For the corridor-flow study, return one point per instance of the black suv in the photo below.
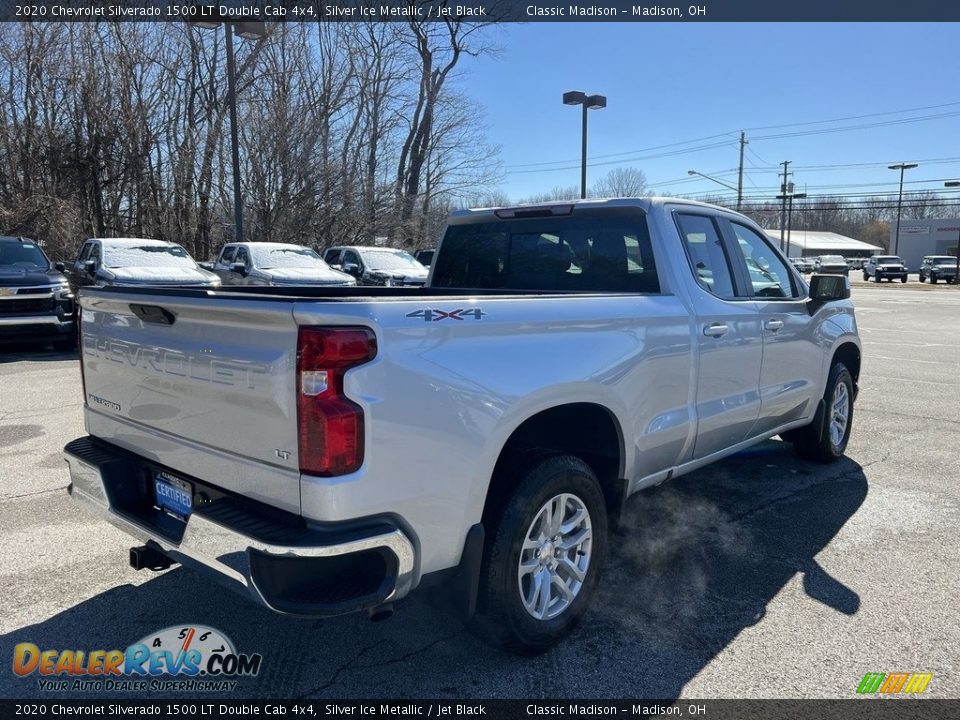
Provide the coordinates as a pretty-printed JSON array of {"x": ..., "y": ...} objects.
[
  {"x": 35, "y": 299},
  {"x": 939, "y": 267}
]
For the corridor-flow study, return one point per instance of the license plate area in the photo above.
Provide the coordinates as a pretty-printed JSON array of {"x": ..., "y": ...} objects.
[{"x": 173, "y": 495}]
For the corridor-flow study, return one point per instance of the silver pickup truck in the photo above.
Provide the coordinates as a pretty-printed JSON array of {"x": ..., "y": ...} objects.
[{"x": 328, "y": 450}]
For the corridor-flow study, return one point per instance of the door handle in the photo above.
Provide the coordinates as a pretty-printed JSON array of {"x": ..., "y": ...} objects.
[
  {"x": 773, "y": 325},
  {"x": 715, "y": 330}
]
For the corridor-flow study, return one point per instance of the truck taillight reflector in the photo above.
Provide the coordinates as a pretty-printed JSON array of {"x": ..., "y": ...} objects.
[{"x": 330, "y": 426}]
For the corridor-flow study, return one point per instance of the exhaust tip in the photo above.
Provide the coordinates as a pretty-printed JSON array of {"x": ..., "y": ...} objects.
[{"x": 381, "y": 612}]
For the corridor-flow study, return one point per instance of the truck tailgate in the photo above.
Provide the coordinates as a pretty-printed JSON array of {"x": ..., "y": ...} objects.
[{"x": 203, "y": 385}]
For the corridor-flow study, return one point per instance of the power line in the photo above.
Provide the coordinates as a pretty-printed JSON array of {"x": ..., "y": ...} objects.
[{"x": 516, "y": 169}]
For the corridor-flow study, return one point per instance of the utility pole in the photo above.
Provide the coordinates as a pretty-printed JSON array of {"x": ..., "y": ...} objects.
[
  {"x": 783, "y": 206},
  {"x": 743, "y": 142}
]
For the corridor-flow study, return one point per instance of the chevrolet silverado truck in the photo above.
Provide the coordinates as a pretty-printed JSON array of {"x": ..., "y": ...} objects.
[
  {"x": 327, "y": 450},
  {"x": 36, "y": 303}
]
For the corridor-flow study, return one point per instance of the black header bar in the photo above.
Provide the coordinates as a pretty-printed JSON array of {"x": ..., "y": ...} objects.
[{"x": 484, "y": 10}]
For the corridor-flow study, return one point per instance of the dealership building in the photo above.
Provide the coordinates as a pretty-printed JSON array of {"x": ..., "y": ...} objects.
[
  {"x": 925, "y": 237},
  {"x": 811, "y": 243}
]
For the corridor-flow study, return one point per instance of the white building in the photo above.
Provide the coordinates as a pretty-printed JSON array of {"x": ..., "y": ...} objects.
[
  {"x": 925, "y": 237},
  {"x": 810, "y": 243}
]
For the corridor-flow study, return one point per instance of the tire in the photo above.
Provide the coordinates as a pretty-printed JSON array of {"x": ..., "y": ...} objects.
[
  {"x": 866, "y": 277},
  {"x": 933, "y": 280},
  {"x": 502, "y": 615},
  {"x": 903, "y": 279},
  {"x": 821, "y": 441}
]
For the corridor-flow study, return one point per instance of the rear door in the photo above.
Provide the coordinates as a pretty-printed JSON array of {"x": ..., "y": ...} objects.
[
  {"x": 792, "y": 358},
  {"x": 728, "y": 335}
]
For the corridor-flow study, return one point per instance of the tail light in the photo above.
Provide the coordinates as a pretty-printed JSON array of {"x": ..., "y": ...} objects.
[{"x": 329, "y": 425}]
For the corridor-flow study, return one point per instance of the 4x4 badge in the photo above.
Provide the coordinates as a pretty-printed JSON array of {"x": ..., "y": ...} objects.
[{"x": 436, "y": 315}]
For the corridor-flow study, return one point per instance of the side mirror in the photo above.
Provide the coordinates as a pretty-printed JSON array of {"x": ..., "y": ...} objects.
[
  {"x": 60, "y": 266},
  {"x": 239, "y": 268},
  {"x": 90, "y": 267},
  {"x": 351, "y": 268},
  {"x": 828, "y": 288},
  {"x": 336, "y": 266}
]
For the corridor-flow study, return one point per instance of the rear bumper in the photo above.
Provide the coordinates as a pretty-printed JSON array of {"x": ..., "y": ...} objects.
[{"x": 270, "y": 555}]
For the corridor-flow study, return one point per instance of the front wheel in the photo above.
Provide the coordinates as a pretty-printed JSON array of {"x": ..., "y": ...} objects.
[
  {"x": 903, "y": 279},
  {"x": 865, "y": 276},
  {"x": 825, "y": 439},
  {"x": 543, "y": 557},
  {"x": 933, "y": 280}
]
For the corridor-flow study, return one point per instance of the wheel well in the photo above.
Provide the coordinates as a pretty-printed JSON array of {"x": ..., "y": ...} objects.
[
  {"x": 849, "y": 355},
  {"x": 585, "y": 430}
]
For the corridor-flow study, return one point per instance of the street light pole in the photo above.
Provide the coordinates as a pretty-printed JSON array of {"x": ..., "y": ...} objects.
[
  {"x": 583, "y": 155},
  {"x": 249, "y": 31},
  {"x": 234, "y": 136},
  {"x": 953, "y": 184},
  {"x": 901, "y": 167},
  {"x": 790, "y": 217},
  {"x": 787, "y": 198},
  {"x": 589, "y": 102}
]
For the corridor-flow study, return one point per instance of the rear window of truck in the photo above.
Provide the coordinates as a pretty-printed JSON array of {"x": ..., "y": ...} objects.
[{"x": 586, "y": 252}]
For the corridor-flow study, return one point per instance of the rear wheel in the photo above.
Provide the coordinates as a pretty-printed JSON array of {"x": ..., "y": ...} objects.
[
  {"x": 543, "y": 557},
  {"x": 825, "y": 439}
]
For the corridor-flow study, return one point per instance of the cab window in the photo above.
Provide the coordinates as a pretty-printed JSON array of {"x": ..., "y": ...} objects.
[
  {"x": 229, "y": 253},
  {"x": 243, "y": 256},
  {"x": 708, "y": 259}
]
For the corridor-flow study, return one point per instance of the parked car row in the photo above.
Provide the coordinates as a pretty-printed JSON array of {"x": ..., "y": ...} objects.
[
  {"x": 934, "y": 268},
  {"x": 37, "y": 295}
]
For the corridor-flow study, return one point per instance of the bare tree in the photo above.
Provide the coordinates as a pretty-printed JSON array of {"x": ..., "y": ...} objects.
[{"x": 621, "y": 182}]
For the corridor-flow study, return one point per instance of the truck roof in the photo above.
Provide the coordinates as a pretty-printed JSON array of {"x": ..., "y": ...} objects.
[{"x": 646, "y": 203}]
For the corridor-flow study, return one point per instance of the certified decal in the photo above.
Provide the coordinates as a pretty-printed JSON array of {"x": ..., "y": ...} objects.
[
  {"x": 179, "y": 658},
  {"x": 431, "y": 315}
]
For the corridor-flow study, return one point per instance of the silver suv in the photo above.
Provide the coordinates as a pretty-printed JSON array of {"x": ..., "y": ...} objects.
[{"x": 885, "y": 267}]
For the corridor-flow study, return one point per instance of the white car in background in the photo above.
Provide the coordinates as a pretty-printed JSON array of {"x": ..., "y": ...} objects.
[{"x": 269, "y": 263}]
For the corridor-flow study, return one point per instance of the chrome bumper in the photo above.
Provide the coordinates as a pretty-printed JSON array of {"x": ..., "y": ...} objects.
[
  {"x": 208, "y": 543},
  {"x": 34, "y": 320}
]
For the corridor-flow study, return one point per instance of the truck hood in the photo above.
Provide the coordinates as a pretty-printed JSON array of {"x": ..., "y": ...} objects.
[
  {"x": 161, "y": 276},
  {"x": 27, "y": 277},
  {"x": 308, "y": 276}
]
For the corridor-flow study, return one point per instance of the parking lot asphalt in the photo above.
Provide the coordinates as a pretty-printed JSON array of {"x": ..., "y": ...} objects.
[{"x": 761, "y": 576}]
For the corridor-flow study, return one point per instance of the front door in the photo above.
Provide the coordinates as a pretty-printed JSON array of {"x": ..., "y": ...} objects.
[{"x": 792, "y": 358}]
